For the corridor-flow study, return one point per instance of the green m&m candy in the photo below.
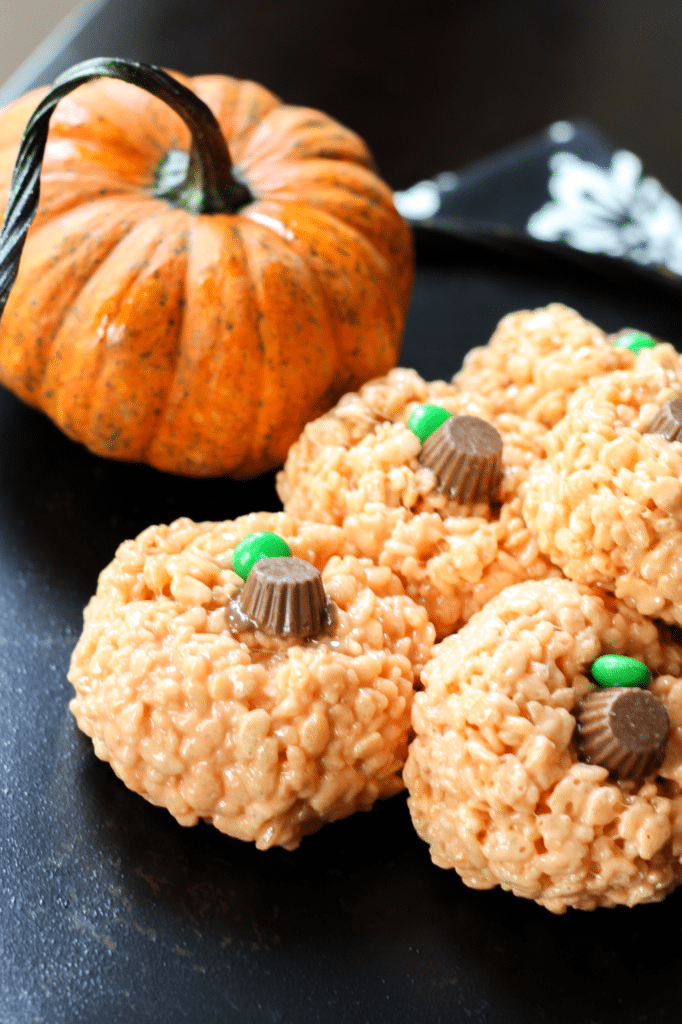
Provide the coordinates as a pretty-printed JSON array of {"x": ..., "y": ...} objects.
[
  {"x": 256, "y": 546},
  {"x": 635, "y": 341},
  {"x": 426, "y": 419},
  {"x": 617, "y": 670}
]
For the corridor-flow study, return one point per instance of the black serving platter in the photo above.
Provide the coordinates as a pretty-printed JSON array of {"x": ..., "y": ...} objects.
[{"x": 111, "y": 912}]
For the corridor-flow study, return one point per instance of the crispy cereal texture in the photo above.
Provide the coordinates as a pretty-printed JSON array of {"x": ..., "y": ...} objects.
[
  {"x": 362, "y": 452},
  {"x": 495, "y": 785},
  {"x": 358, "y": 467},
  {"x": 452, "y": 566},
  {"x": 268, "y": 739},
  {"x": 606, "y": 505},
  {"x": 535, "y": 360}
]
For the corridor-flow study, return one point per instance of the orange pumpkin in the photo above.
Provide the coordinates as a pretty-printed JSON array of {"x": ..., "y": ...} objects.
[{"x": 179, "y": 302}]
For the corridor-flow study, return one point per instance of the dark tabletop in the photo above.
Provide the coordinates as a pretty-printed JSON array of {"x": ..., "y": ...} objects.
[{"x": 111, "y": 912}]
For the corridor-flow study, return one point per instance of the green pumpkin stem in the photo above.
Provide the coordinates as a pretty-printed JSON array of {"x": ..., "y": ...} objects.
[{"x": 208, "y": 185}]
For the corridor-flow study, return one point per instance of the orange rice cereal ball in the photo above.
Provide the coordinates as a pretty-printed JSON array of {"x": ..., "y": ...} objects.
[
  {"x": 536, "y": 359},
  {"x": 363, "y": 452},
  {"x": 496, "y": 785},
  {"x": 606, "y": 505},
  {"x": 360, "y": 466},
  {"x": 229, "y": 710}
]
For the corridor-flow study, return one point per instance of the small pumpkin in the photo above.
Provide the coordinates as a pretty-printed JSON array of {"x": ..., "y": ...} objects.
[{"x": 206, "y": 268}]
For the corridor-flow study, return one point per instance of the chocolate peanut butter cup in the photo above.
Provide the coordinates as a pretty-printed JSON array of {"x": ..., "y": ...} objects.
[
  {"x": 465, "y": 453},
  {"x": 284, "y": 597},
  {"x": 668, "y": 421},
  {"x": 624, "y": 729}
]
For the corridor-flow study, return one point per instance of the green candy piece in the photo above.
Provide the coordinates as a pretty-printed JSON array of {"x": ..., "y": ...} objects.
[
  {"x": 426, "y": 419},
  {"x": 635, "y": 341},
  {"x": 617, "y": 670},
  {"x": 256, "y": 546}
]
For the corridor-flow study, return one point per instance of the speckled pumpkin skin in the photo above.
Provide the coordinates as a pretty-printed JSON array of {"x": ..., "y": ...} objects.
[{"x": 200, "y": 344}]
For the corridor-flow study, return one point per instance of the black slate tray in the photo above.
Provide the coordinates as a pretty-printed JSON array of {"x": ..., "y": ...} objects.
[{"x": 111, "y": 912}]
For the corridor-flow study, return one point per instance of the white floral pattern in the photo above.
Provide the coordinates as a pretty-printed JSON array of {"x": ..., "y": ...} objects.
[{"x": 611, "y": 210}]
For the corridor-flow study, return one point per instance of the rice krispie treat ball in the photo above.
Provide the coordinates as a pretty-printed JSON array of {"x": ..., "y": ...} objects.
[
  {"x": 606, "y": 505},
  {"x": 209, "y": 712},
  {"x": 359, "y": 467},
  {"x": 362, "y": 452},
  {"x": 498, "y": 785},
  {"x": 536, "y": 359}
]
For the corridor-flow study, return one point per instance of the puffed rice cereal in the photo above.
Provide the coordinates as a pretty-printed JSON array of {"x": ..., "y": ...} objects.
[
  {"x": 266, "y": 738},
  {"x": 358, "y": 467},
  {"x": 606, "y": 505},
  {"x": 535, "y": 360},
  {"x": 495, "y": 784}
]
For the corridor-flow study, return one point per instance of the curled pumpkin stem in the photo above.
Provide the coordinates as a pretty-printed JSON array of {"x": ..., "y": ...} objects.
[{"x": 209, "y": 185}]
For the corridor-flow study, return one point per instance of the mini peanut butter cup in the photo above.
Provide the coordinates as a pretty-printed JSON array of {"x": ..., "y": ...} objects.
[
  {"x": 284, "y": 597},
  {"x": 465, "y": 453},
  {"x": 624, "y": 729},
  {"x": 668, "y": 421}
]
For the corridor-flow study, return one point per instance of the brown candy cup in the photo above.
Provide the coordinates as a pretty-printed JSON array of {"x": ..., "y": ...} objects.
[
  {"x": 624, "y": 729},
  {"x": 465, "y": 453},
  {"x": 284, "y": 597},
  {"x": 668, "y": 421}
]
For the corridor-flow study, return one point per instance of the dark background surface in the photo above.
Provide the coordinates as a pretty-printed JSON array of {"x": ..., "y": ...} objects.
[
  {"x": 110, "y": 911},
  {"x": 431, "y": 85}
]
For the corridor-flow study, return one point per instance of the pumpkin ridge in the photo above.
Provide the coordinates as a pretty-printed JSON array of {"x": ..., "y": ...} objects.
[
  {"x": 161, "y": 398},
  {"x": 59, "y": 184},
  {"x": 107, "y": 123},
  {"x": 325, "y": 191},
  {"x": 345, "y": 228},
  {"x": 338, "y": 384},
  {"x": 238, "y": 115},
  {"x": 122, "y": 157},
  {"x": 252, "y": 453},
  {"x": 258, "y": 240},
  {"x": 74, "y": 400},
  {"x": 290, "y": 134},
  {"x": 168, "y": 411},
  {"x": 214, "y": 352},
  {"x": 72, "y": 201},
  {"x": 17, "y": 374},
  {"x": 333, "y": 392},
  {"x": 106, "y": 135},
  {"x": 382, "y": 281},
  {"x": 322, "y": 173}
]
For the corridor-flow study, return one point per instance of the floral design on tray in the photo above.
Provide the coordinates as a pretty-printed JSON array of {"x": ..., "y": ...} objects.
[{"x": 611, "y": 210}]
